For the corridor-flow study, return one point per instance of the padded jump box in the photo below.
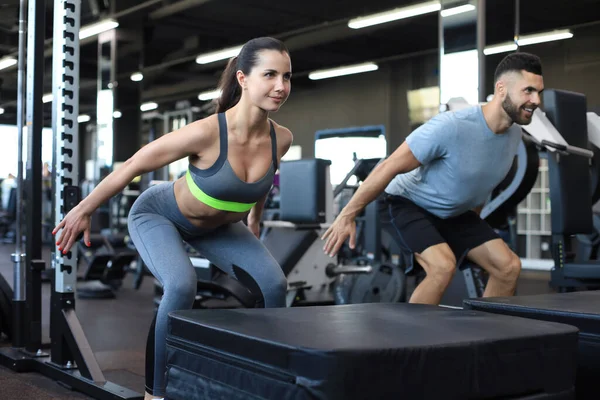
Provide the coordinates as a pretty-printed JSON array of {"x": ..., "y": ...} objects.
[
  {"x": 367, "y": 351},
  {"x": 579, "y": 309}
]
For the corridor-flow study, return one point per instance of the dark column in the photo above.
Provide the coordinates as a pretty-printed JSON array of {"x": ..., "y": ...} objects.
[
  {"x": 127, "y": 132},
  {"x": 33, "y": 186}
]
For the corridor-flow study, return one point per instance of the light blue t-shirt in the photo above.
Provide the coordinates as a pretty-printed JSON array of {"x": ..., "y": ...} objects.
[{"x": 462, "y": 161}]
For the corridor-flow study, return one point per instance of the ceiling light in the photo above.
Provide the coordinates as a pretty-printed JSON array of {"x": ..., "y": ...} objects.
[
  {"x": 218, "y": 55},
  {"x": 98, "y": 27},
  {"x": 209, "y": 95},
  {"x": 350, "y": 69},
  {"x": 457, "y": 10},
  {"x": 117, "y": 114},
  {"x": 500, "y": 48},
  {"x": 527, "y": 40},
  {"x": 47, "y": 98},
  {"x": 148, "y": 106},
  {"x": 395, "y": 14},
  {"x": 136, "y": 76},
  {"x": 7, "y": 62},
  {"x": 545, "y": 37},
  {"x": 83, "y": 118}
]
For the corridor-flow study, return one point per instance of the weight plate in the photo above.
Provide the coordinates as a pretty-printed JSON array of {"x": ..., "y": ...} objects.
[{"x": 386, "y": 284}]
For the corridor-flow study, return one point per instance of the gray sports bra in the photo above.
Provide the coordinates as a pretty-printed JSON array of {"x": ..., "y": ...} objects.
[{"x": 219, "y": 187}]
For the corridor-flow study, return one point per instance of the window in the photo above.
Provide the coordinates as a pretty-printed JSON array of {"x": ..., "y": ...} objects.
[
  {"x": 9, "y": 149},
  {"x": 344, "y": 146}
]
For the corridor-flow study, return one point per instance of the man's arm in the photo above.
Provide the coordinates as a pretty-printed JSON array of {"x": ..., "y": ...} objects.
[{"x": 401, "y": 161}]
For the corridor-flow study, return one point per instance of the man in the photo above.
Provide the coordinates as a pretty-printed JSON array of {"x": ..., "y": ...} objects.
[{"x": 445, "y": 169}]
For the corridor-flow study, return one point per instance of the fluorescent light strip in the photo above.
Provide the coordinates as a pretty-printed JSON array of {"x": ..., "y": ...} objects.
[
  {"x": 500, "y": 48},
  {"x": 83, "y": 118},
  {"x": 209, "y": 95},
  {"x": 148, "y": 106},
  {"x": 218, "y": 55},
  {"x": 395, "y": 14},
  {"x": 545, "y": 37},
  {"x": 98, "y": 27},
  {"x": 527, "y": 40},
  {"x": 7, "y": 62},
  {"x": 457, "y": 10},
  {"x": 350, "y": 69}
]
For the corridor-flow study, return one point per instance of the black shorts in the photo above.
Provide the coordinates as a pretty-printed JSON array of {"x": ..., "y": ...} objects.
[{"x": 416, "y": 229}]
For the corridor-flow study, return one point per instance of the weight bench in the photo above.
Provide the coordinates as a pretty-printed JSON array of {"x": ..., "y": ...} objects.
[{"x": 360, "y": 351}]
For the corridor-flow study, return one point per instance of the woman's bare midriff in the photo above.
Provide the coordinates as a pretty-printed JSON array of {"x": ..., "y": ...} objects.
[{"x": 198, "y": 213}]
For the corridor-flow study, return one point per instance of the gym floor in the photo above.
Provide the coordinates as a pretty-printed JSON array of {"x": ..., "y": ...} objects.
[{"x": 116, "y": 330}]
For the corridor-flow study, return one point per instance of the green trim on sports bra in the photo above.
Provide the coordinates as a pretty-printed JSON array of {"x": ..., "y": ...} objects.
[{"x": 211, "y": 201}]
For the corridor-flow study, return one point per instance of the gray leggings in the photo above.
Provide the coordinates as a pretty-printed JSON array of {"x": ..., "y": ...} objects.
[{"x": 158, "y": 230}]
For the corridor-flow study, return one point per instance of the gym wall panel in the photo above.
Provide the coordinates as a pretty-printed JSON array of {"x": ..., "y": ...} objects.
[
  {"x": 571, "y": 64},
  {"x": 371, "y": 98},
  {"x": 341, "y": 102}
]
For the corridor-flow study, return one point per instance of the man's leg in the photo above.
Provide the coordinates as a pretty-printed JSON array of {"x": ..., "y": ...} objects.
[
  {"x": 502, "y": 264},
  {"x": 415, "y": 231},
  {"x": 439, "y": 264}
]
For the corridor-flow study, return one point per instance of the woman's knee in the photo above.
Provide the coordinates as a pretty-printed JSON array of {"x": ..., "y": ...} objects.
[
  {"x": 180, "y": 294},
  {"x": 267, "y": 282},
  {"x": 277, "y": 292}
]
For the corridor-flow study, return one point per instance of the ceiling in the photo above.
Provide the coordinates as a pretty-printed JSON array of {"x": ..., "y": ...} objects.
[{"x": 163, "y": 37}]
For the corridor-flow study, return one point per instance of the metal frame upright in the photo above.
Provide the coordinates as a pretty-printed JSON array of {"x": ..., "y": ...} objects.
[{"x": 71, "y": 359}]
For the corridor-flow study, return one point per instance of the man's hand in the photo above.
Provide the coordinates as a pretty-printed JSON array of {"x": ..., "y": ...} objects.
[{"x": 342, "y": 228}]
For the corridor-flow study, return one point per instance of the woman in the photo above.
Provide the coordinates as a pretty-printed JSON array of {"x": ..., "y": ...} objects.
[{"x": 233, "y": 158}]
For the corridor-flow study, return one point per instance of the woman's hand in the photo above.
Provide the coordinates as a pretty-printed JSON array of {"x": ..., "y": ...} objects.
[
  {"x": 75, "y": 222},
  {"x": 254, "y": 227}
]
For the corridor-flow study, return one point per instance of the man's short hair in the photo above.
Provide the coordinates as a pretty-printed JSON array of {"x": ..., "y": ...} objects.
[{"x": 518, "y": 62}]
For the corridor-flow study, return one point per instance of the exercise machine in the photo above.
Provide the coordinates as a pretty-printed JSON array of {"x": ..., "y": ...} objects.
[
  {"x": 588, "y": 245},
  {"x": 570, "y": 187},
  {"x": 107, "y": 261},
  {"x": 306, "y": 211},
  {"x": 70, "y": 359}
]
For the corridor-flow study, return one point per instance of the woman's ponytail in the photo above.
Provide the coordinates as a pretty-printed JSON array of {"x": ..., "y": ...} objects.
[{"x": 230, "y": 89}]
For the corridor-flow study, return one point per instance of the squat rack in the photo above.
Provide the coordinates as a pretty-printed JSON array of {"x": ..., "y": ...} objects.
[{"x": 70, "y": 359}]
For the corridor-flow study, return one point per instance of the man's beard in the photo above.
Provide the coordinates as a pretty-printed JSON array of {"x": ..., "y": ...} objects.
[{"x": 514, "y": 112}]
